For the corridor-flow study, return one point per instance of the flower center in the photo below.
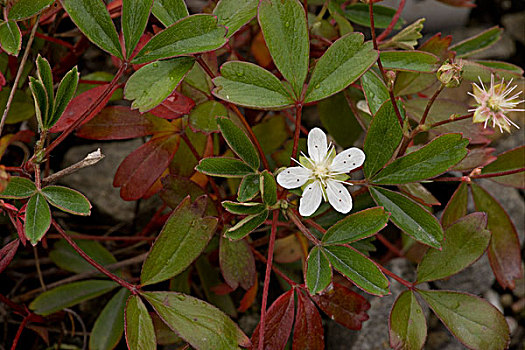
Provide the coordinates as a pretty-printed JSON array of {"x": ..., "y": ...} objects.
[{"x": 321, "y": 171}]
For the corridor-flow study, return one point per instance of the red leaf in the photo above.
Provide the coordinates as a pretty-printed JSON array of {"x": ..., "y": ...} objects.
[
  {"x": 222, "y": 289},
  {"x": 344, "y": 306},
  {"x": 308, "y": 333},
  {"x": 174, "y": 106},
  {"x": 249, "y": 297},
  {"x": 120, "y": 122},
  {"x": 79, "y": 104},
  {"x": 2, "y": 81},
  {"x": 437, "y": 45},
  {"x": 278, "y": 324},
  {"x": 139, "y": 170},
  {"x": 7, "y": 253}
]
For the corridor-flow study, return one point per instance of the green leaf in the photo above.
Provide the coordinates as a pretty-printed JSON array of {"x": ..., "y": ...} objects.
[
  {"x": 38, "y": 218},
  {"x": 140, "y": 334},
  {"x": 22, "y": 107},
  {"x": 283, "y": 24},
  {"x": 18, "y": 188},
  {"x": 23, "y": 9},
  {"x": 342, "y": 64},
  {"x": 246, "y": 208},
  {"x": 224, "y": 167},
  {"x": 135, "y": 15},
  {"x": 153, "y": 83},
  {"x": 233, "y": 14},
  {"x": 410, "y": 216},
  {"x": 41, "y": 101},
  {"x": 202, "y": 325},
  {"x": 66, "y": 91},
  {"x": 456, "y": 207},
  {"x": 239, "y": 142},
  {"x": 433, "y": 159},
  {"x": 407, "y": 326},
  {"x": 109, "y": 325},
  {"x": 472, "y": 320},
  {"x": 478, "y": 42},
  {"x": 45, "y": 75},
  {"x": 504, "y": 248},
  {"x": 10, "y": 38},
  {"x": 249, "y": 85},
  {"x": 359, "y": 269},
  {"x": 375, "y": 91},
  {"x": 410, "y": 61},
  {"x": 318, "y": 271},
  {"x": 203, "y": 116},
  {"x": 182, "y": 239},
  {"x": 67, "y": 258},
  {"x": 510, "y": 160},
  {"x": 67, "y": 199},
  {"x": 339, "y": 120},
  {"x": 382, "y": 139},
  {"x": 237, "y": 263},
  {"x": 268, "y": 188},
  {"x": 246, "y": 225},
  {"x": 357, "y": 226},
  {"x": 271, "y": 133},
  {"x": 68, "y": 295},
  {"x": 190, "y": 35},
  {"x": 169, "y": 11},
  {"x": 406, "y": 38},
  {"x": 465, "y": 242},
  {"x": 505, "y": 66},
  {"x": 248, "y": 188},
  {"x": 92, "y": 18},
  {"x": 359, "y": 14}
]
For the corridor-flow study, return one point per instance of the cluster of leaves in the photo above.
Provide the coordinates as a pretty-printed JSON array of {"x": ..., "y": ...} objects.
[{"x": 215, "y": 171}]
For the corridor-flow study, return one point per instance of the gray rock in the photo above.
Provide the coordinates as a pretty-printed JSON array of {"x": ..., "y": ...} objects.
[
  {"x": 96, "y": 182},
  {"x": 514, "y": 24},
  {"x": 475, "y": 279}
]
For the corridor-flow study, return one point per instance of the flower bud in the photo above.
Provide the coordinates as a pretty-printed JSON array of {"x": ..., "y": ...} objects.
[{"x": 450, "y": 73}]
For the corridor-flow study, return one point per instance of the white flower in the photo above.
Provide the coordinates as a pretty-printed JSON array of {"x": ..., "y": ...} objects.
[
  {"x": 323, "y": 173},
  {"x": 494, "y": 103}
]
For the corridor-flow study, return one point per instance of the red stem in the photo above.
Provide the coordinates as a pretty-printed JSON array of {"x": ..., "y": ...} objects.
[
  {"x": 103, "y": 238},
  {"x": 297, "y": 131},
  {"x": 389, "y": 245},
  {"x": 430, "y": 103},
  {"x": 267, "y": 277},
  {"x": 467, "y": 116},
  {"x": 55, "y": 40},
  {"x": 295, "y": 218},
  {"x": 396, "y": 277},
  {"x": 132, "y": 288},
  {"x": 315, "y": 225},
  {"x": 393, "y": 22},
  {"x": 19, "y": 332},
  {"x": 275, "y": 269},
  {"x": 481, "y": 176}
]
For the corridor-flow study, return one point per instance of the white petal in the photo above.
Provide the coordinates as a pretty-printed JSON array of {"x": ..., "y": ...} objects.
[
  {"x": 348, "y": 160},
  {"x": 311, "y": 199},
  {"x": 317, "y": 145},
  {"x": 339, "y": 197},
  {"x": 293, "y": 177}
]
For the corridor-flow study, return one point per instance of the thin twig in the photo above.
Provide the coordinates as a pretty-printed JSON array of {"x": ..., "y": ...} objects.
[
  {"x": 19, "y": 74},
  {"x": 38, "y": 270},
  {"x": 91, "y": 159},
  {"x": 297, "y": 131},
  {"x": 393, "y": 22},
  {"x": 430, "y": 103}
]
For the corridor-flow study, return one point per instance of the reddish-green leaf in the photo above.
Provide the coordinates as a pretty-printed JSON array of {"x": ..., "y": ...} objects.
[
  {"x": 357, "y": 226},
  {"x": 176, "y": 188},
  {"x": 478, "y": 42},
  {"x": 472, "y": 320},
  {"x": 456, "y": 207},
  {"x": 120, "y": 122},
  {"x": 190, "y": 35},
  {"x": 7, "y": 253},
  {"x": 92, "y": 18},
  {"x": 68, "y": 295},
  {"x": 109, "y": 325},
  {"x": 139, "y": 170},
  {"x": 358, "y": 268},
  {"x": 504, "y": 248},
  {"x": 202, "y": 325},
  {"x": 409, "y": 216},
  {"x": 174, "y": 106},
  {"x": 38, "y": 218},
  {"x": 18, "y": 188},
  {"x": 308, "y": 333},
  {"x": 407, "y": 323},
  {"x": 140, "y": 334},
  {"x": 78, "y": 105},
  {"x": 283, "y": 24},
  {"x": 382, "y": 139},
  {"x": 237, "y": 263},
  {"x": 318, "y": 271},
  {"x": 135, "y": 15},
  {"x": 203, "y": 116},
  {"x": 510, "y": 160},
  {"x": 418, "y": 192},
  {"x": 278, "y": 323},
  {"x": 476, "y": 158},
  {"x": 344, "y": 306},
  {"x": 431, "y": 160},
  {"x": 67, "y": 199},
  {"x": 465, "y": 241},
  {"x": 182, "y": 239}
]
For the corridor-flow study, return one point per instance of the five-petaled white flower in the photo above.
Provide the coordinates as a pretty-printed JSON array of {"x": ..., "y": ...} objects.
[
  {"x": 323, "y": 174},
  {"x": 494, "y": 103}
]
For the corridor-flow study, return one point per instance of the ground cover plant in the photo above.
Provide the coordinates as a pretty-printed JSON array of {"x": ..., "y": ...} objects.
[{"x": 263, "y": 210}]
